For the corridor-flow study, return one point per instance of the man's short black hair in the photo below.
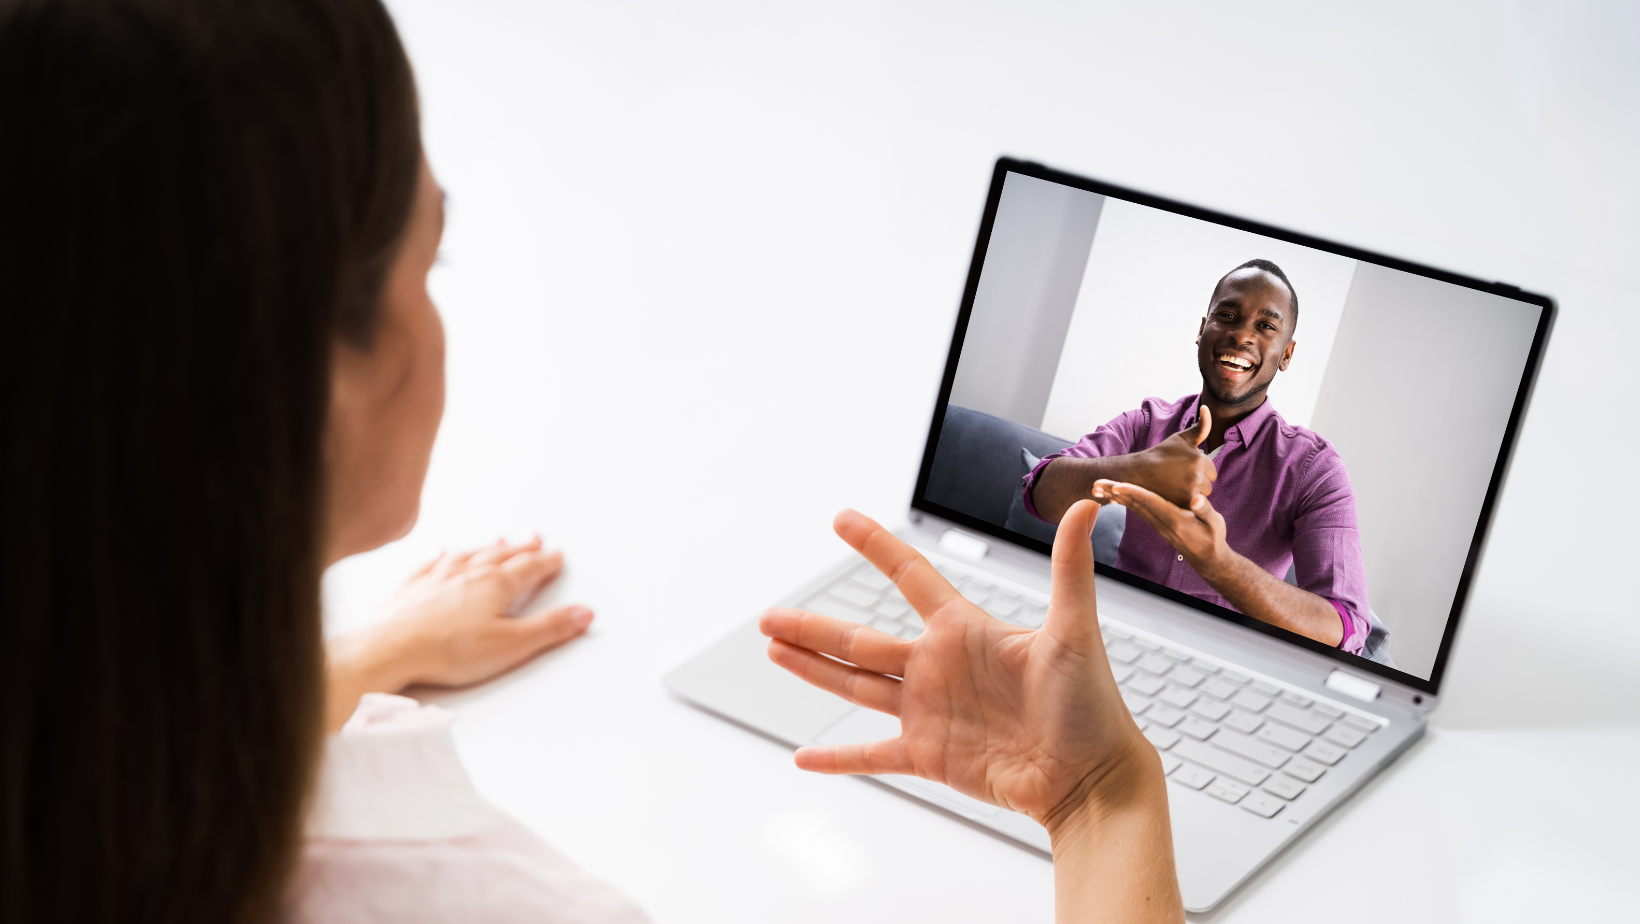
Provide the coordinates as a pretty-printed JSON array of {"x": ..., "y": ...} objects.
[{"x": 1274, "y": 270}]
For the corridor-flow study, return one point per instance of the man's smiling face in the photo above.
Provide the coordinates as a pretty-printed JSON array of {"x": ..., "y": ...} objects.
[{"x": 1246, "y": 337}]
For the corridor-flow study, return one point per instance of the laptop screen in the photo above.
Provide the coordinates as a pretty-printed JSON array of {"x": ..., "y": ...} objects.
[{"x": 1346, "y": 417}]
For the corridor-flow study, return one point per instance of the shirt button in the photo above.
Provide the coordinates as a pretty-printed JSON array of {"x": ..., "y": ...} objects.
[{"x": 1181, "y": 558}]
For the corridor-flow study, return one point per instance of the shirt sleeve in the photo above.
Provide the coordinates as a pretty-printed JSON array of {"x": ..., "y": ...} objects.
[
  {"x": 1327, "y": 546},
  {"x": 1116, "y": 438}
]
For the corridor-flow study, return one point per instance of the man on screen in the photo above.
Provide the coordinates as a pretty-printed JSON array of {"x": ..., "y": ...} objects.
[{"x": 1281, "y": 497}]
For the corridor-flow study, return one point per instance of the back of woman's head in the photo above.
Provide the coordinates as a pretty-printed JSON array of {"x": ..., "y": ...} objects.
[{"x": 197, "y": 199}]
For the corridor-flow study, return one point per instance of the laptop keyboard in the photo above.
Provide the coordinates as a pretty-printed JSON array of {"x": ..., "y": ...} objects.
[{"x": 1232, "y": 734}]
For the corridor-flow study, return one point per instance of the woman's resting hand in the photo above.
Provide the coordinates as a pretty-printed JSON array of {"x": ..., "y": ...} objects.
[
  {"x": 1030, "y": 720},
  {"x": 450, "y": 625}
]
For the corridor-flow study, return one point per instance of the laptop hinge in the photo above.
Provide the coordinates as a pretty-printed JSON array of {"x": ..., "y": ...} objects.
[
  {"x": 1350, "y": 685},
  {"x": 959, "y": 544}
]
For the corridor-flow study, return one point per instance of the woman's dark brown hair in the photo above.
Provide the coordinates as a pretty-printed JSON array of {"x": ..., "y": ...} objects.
[{"x": 197, "y": 198}]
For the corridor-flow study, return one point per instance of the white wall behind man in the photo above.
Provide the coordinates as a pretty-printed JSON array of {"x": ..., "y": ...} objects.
[
  {"x": 1416, "y": 397},
  {"x": 1145, "y": 291},
  {"x": 1027, "y": 291}
]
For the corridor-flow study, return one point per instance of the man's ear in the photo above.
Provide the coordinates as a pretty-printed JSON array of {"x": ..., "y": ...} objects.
[
  {"x": 1201, "y": 327},
  {"x": 1287, "y": 356}
]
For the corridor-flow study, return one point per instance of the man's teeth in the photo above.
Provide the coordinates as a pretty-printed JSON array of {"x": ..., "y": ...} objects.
[{"x": 1236, "y": 361}]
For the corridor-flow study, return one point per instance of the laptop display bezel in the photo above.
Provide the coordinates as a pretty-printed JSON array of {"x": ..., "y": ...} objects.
[{"x": 1546, "y": 307}]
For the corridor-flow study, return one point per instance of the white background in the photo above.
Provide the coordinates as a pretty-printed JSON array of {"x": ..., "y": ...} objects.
[
  {"x": 1149, "y": 279},
  {"x": 701, "y": 265}
]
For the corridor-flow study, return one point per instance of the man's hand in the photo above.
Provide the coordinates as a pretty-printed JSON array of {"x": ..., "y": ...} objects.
[
  {"x": 450, "y": 624},
  {"x": 1174, "y": 468},
  {"x": 1196, "y": 530},
  {"x": 1028, "y": 720},
  {"x": 1198, "y": 533}
]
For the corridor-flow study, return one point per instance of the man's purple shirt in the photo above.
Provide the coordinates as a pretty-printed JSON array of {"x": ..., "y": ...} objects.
[{"x": 1284, "y": 494}]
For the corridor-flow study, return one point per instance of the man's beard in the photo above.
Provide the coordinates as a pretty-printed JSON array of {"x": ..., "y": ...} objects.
[{"x": 1254, "y": 392}]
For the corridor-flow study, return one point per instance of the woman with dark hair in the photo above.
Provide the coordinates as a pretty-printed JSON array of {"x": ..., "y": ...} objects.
[{"x": 223, "y": 374}]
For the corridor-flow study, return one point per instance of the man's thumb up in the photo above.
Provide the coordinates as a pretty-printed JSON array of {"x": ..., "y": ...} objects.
[{"x": 1197, "y": 432}]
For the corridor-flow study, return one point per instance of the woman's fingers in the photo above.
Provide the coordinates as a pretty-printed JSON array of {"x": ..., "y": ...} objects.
[
  {"x": 548, "y": 628},
  {"x": 848, "y": 641},
  {"x": 1073, "y": 612},
  {"x": 501, "y": 551},
  {"x": 527, "y": 571},
  {"x": 923, "y": 587},
  {"x": 860, "y": 687},
  {"x": 872, "y": 757}
]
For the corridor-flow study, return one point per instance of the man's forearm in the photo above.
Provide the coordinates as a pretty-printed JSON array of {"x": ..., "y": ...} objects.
[
  {"x": 1267, "y": 598},
  {"x": 1067, "y": 480}
]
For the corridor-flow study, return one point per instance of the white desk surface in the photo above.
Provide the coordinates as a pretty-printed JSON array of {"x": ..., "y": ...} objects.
[{"x": 700, "y": 269}]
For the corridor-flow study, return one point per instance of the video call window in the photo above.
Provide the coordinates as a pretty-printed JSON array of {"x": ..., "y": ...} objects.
[{"x": 1360, "y": 412}]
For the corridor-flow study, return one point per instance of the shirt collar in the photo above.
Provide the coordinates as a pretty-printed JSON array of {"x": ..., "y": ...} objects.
[{"x": 1245, "y": 428}]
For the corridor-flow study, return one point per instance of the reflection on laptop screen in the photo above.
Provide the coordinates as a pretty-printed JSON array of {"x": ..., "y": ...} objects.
[{"x": 1357, "y": 415}]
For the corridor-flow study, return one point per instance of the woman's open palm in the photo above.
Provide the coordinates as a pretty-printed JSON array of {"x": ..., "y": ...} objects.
[{"x": 1025, "y": 719}]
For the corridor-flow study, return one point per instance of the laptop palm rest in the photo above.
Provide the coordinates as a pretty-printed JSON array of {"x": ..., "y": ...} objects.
[{"x": 736, "y": 679}]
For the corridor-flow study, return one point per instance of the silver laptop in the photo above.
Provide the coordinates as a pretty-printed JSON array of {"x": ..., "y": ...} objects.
[{"x": 1361, "y": 469}]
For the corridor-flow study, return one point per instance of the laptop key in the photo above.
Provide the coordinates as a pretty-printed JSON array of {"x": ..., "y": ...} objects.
[
  {"x": 1284, "y": 786},
  {"x": 1162, "y": 738},
  {"x": 1223, "y": 689},
  {"x": 1176, "y": 655},
  {"x": 1156, "y": 664},
  {"x": 1268, "y": 689},
  {"x": 1210, "y": 708},
  {"x": 1251, "y": 748},
  {"x": 1146, "y": 684},
  {"x": 1244, "y": 722},
  {"x": 1146, "y": 643},
  {"x": 1235, "y": 677},
  {"x": 1196, "y": 728},
  {"x": 1135, "y": 703},
  {"x": 1307, "y": 722},
  {"x": 1282, "y": 736},
  {"x": 1227, "y": 789},
  {"x": 872, "y": 578},
  {"x": 1364, "y": 724},
  {"x": 1331, "y": 712},
  {"x": 1296, "y": 699},
  {"x": 893, "y": 609},
  {"x": 1251, "y": 701},
  {"x": 1121, "y": 672},
  {"x": 1186, "y": 676},
  {"x": 1192, "y": 776},
  {"x": 1344, "y": 735},
  {"x": 1221, "y": 761},
  {"x": 1119, "y": 632},
  {"x": 1307, "y": 770},
  {"x": 1169, "y": 763},
  {"x": 1164, "y": 715},
  {"x": 1206, "y": 667},
  {"x": 1178, "y": 696},
  {"x": 1326, "y": 753},
  {"x": 1260, "y": 803}
]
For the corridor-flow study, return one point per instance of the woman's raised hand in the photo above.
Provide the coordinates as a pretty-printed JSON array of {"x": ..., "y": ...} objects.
[
  {"x": 451, "y": 624},
  {"x": 1030, "y": 720}
]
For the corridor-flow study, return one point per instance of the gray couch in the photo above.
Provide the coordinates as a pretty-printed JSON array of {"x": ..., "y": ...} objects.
[{"x": 979, "y": 467}]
